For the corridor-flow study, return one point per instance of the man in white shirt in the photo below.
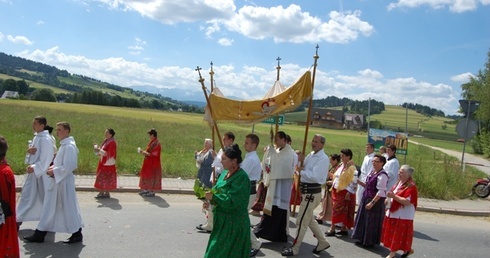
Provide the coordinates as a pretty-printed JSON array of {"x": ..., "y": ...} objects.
[
  {"x": 39, "y": 157},
  {"x": 228, "y": 139},
  {"x": 366, "y": 167},
  {"x": 313, "y": 174},
  {"x": 251, "y": 164},
  {"x": 392, "y": 166}
]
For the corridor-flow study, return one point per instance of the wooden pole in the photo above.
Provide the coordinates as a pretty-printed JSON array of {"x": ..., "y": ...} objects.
[
  {"x": 278, "y": 68},
  {"x": 211, "y": 74},
  {"x": 308, "y": 118},
  {"x": 201, "y": 80}
]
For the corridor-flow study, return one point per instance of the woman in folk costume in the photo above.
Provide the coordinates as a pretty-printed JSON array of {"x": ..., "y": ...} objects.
[
  {"x": 344, "y": 189},
  {"x": 9, "y": 243},
  {"x": 204, "y": 159},
  {"x": 398, "y": 223},
  {"x": 151, "y": 171},
  {"x": 106, "y": 179},
  {"x": 230, "y": 196},
  {"x": 326, "y": 213},
  {"x": 369, "y": 218}
]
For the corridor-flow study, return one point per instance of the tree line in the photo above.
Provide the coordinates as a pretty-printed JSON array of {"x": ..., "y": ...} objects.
[{"x": 424, "y": 110}]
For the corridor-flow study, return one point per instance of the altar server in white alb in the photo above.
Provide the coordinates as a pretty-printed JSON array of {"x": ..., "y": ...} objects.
[
  {"x": 366, "y": 167},
  {"x": 251, "y": 164},
  {"x": 313, "y": 173},
  {"x": 40, "y": 154},
  {"x": 61, "y": 212}
]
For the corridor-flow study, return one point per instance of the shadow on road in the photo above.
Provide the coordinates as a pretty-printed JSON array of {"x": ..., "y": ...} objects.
[
  {"x": 157, "y": 201},
  {"x": 423, "y": 236},
  {"x": 49, "y": 248},
  {"x": 112, "y": 203}
]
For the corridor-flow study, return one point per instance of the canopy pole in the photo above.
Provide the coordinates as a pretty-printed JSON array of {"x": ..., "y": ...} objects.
[
  {"x": 307, "y": 121},
  {"x": 211, "y": 73},
  {"x": 278, "y": 68},
  {"x": 201, "y": 80}
]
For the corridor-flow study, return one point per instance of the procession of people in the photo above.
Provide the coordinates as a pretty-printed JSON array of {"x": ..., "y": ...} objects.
[{"x": 230, "y": 181}]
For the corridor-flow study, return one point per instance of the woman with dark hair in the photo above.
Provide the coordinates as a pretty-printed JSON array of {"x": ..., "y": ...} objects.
[
  {"x": 151, "y": 171},
  {"x": 369, "y": 218},
  {"x": 106, "y": 179},
  {"x": 344, "y": 187},
  {"x": 9, "y": 243},
  {"x": 326, "y": 213},
  {"x": 231, "y": 232}
]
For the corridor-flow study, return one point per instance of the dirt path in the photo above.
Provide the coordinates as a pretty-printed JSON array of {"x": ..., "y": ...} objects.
[{"x": 469, "y": 159}]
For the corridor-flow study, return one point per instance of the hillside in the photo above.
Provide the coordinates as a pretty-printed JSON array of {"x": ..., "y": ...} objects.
[{"x": 77, "y": 88}]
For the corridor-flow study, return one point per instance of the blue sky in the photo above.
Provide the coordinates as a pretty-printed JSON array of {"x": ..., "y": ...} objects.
[{"x": 394, "y": 51}]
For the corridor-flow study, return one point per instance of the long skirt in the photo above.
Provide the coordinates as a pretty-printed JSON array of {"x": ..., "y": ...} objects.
[
  {"x": 343, "y": 210},
  {"x": 273, "y": 228},
  {"x": 369, "y": 222},
  {"x": 397, "y": 234},
  {"x": 106, "y": 178},
  {"x": 326, "y": 213}
]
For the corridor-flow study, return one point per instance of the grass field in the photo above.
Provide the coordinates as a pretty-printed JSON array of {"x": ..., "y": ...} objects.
[{"x": 183, "y": 133}]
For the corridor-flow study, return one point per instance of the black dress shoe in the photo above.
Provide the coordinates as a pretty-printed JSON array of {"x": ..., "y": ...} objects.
[
  {"x": 37, "y": 237},
  {"x": 74, "y": 239}
]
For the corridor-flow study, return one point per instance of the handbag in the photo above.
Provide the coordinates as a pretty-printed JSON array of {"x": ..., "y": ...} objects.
[{"x": 260, "y": 199}]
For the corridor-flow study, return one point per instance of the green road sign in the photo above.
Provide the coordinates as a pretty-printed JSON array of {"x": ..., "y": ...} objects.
[{"x": 272, "y": 120}]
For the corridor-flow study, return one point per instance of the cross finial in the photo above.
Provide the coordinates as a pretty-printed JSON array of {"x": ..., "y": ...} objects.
[
  {"x": 317, "y": 47},
  {"x": 278, "y": 60},
  {"x": 198, "y": 69}
]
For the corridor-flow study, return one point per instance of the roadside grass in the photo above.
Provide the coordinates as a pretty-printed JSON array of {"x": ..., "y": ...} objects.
[{"x": 437, "y": 175}]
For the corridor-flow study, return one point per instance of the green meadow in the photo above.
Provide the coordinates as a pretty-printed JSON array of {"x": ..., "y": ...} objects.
[{"x": 437, "y": 175}]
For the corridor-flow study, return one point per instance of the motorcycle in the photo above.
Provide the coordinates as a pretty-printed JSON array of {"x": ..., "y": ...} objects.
[{"x": 482, "y": 187}]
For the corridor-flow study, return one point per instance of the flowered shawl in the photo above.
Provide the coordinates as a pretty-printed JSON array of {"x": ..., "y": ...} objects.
[
  {"x": 347, "y": 175},
  {"x": 408, "y": 189}
]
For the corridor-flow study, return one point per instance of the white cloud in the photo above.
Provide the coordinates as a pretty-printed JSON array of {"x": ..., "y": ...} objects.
[
  {"x": 225, "y": 41},
  {"x": 252, "y": 82},
  {"x": 171, "y": 11},
  {"x": 1, "y": 37},
  {"x": 462, "y": 78},
  {"x": 292, "y": 25},
  {"x": 19, "y": 40},
  {"x": 289, "y": 24},
  {"x": 372, "y": 84},
  {"x": 457, "y": 6},
  {"x": 137, "y": 48},
  {"x": 40, "y": 22}
]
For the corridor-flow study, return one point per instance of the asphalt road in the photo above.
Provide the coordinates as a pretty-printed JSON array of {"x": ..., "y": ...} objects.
[{"x": 128, "y": 225}]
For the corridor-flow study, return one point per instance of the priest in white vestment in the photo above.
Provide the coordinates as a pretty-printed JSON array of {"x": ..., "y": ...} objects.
[{"x": 274, "y": 222}]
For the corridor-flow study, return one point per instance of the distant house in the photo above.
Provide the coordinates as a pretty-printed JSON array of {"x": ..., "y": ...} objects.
[
  {"x": 353, "y": 121},
  {"x": 335, "y": 119},
  {"x": 10, "y": 94},
  {"x": 327, "y": 118}
]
